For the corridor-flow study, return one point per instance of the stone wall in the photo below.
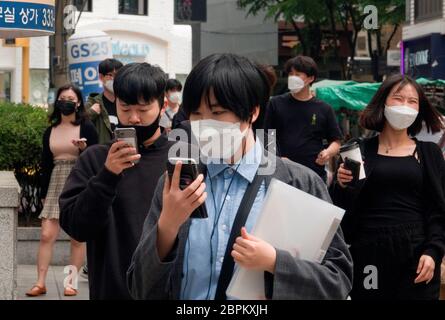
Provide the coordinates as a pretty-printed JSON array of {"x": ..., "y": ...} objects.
[{"x": 9, "y": 201}]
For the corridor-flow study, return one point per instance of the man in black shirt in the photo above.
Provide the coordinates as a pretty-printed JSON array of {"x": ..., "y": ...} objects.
[
  {"x": 101, "y": 108},
  {"x": 303, "y": 122},
  {"x": 107, "y": 197}
]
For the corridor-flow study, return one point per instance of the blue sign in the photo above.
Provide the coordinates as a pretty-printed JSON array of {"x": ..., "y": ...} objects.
[
  {"x": 86, "y": 77},
  {"x": 27, "y": 16},
  {"x": 85, "y": 52}
]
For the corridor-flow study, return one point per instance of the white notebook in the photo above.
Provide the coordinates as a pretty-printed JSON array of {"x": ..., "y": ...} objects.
[{"x": 290, "y": 220}]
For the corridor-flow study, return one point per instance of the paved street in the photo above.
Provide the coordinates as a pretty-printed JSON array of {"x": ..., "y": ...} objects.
[{"x": 27, "y": 275}]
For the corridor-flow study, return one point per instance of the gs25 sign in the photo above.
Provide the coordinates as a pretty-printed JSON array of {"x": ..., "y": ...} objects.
[{"x": 90, "y": 50}]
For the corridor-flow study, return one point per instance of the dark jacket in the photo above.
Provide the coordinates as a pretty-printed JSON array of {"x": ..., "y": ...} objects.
[
  {"x": 433, "y": 167},
  {"x": 101, "y": 121},
  {"x": 108, "y": 211},
  {"x": 149, "y": 278},
  {"x": 87, "y": 130}
]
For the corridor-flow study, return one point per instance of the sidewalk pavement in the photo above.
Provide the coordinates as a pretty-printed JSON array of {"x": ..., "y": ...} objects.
[{"x": 27, "y": 276}]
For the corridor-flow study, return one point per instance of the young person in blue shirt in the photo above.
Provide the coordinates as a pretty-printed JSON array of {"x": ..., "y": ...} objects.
[{"x": 183, "y": 258}]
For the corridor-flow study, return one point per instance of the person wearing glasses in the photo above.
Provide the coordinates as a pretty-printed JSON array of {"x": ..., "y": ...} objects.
[{"x": 101, "y": 108}]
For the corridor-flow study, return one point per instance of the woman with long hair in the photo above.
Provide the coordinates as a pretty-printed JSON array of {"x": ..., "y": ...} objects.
[
  {"x": 67, "y": 136},
  {"x": 395, "y": 217}
]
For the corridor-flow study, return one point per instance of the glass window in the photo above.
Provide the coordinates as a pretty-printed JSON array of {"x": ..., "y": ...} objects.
[
  {"x": 428, "y": 9},
  {"x": 5, "y": 86},
  {"x": 87, "y": 5},
  {"x": 136, "y": 7},
  {"x": 39, "y": 86}
]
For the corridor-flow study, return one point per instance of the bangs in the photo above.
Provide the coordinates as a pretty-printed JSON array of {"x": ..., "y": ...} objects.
[
  {"x": 139, "y": 83},
  {"x": 237, "y": 85}
]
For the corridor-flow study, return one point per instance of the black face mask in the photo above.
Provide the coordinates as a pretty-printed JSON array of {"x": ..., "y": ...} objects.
[
  {"x": 143, "y": 133},
  {"x": 66, "y": 107}
]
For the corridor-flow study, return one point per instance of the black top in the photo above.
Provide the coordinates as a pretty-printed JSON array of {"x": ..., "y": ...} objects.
[
  {"x": 179, "y": 117},
  {"x": 301, "y": 127},
  {"x": 87, "y": 130},
  {"x": 433, "y": 190},
  {"x": 111, "y": 110},
  {"x": 108, "y": 211},
  {"x": 394, "y": 193}
]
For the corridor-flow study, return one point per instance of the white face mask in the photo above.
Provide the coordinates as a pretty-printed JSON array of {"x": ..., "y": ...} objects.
[
  {"x": 175, "y": 97},
  {"x": 295, "y": 84},
  {"x": 109, "y": 85},
  {"x": 217, "y": 139},
  {"x": 400, "y": 117}
]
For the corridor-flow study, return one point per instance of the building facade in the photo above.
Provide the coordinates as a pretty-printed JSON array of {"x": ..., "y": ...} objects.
[
  {"x": 11, "y": 71},
  {"x": 141, "y": 31},
  {"x": 229, "y": 30},
  {"x": 424, "y": 39}
]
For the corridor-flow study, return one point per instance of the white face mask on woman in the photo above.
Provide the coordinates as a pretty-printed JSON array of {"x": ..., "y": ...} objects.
[
  {"x": 217, "y": 139},
  {"x": 295, "y": 84},
  {"x": 400, "y": 117}
]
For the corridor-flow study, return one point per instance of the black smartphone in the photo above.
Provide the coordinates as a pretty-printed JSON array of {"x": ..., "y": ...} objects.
[
  {"x": 128, "y": 135},
  {"x": 189, "y": 173},
  {"x": 354, "y": 167}
]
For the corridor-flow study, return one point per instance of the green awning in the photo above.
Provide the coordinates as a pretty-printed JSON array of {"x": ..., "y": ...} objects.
[{"x": 356, "y": 96}]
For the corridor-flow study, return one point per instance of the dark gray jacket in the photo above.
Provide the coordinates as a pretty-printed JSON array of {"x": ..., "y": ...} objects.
[{"x": 150, "y": 278}]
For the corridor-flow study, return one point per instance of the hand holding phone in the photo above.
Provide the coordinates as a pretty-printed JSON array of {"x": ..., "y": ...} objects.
[
  {"x": 354, "y": 167},
  {"x": 189, "y": 173},
  {"x": 80, "y": 143},
  {"x": 129, "y": 136},
  {"x": 121, "y": 156}
]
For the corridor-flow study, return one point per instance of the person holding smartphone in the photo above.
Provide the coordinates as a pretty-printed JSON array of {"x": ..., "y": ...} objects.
[
  {"x": 395, "y": 217},
  {"x": 182, "y": 258},
  {"x": 108, "y": 194},
  {"x": 68, "y": 135}
]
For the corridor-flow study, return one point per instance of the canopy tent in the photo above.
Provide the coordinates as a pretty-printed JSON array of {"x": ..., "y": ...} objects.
[
  {"x": 356, "y": 96},
  {"x": 426, "y": 82},
  {"x": 349, "y": 96},
  {"x": 330, "y": 83}
]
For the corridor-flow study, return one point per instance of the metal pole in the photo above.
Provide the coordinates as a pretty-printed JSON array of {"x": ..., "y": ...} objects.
[{"x": 196, "y": 42}]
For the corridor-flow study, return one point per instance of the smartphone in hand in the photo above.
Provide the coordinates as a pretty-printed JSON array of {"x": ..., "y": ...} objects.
[
  {"x": 189, "y": 173},
  {"x": 354, "y": 167},
  {"x": 128, "y": 135}
]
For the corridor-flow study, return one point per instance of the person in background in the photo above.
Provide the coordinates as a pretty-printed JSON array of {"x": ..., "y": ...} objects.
[
  {"x": 69, "y": 134},
  {"x": 173, "y": 97},
  {"x": 302, "y": 121},
  {"x": 395, "y": 218},
  {"x": 101, "y": 108}
]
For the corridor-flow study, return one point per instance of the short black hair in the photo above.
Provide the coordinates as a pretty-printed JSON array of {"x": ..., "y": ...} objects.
[
  {"x": 109, "y": 65},
  {"x": 55, "y": 118},
  {"x": 173, "y": 84},
  {"x": 140, "y": 82},
  {"x": 238, "y": 84},
  {"x": 303, "y": 64},
  {"x": 373, "y": 117}
]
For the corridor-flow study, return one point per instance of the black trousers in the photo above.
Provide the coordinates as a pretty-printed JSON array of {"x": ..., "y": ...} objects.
[{"x": 394, "y": 252}]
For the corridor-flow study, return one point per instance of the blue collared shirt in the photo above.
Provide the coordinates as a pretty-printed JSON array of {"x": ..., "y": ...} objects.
[{"x": 202, "y": 259}]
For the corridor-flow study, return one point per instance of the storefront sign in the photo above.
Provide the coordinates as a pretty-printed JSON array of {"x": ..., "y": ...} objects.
[
  {"x": 419, "y": 58},
  {"x": 26, "y": 19},
  {"x": 85, "y": 53},
  {"x": 128, "y": 52}
]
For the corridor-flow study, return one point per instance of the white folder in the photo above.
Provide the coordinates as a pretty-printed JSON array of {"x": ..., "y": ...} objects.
[{"x": 290, "y": 220}]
